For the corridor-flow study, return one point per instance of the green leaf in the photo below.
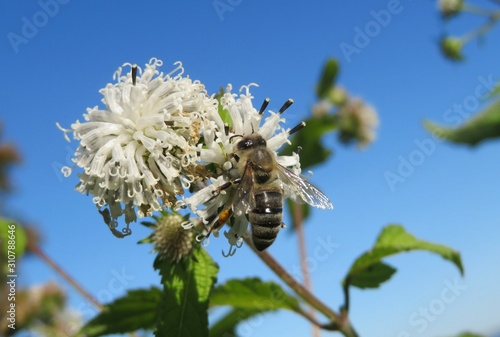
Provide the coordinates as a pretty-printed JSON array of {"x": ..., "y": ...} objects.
[
  {"x": 309, "y": 139},
  {"x": 136, "y": 310},
  {"x": 484, "y": 125},
  {"x": 226, "y": 326},
  {"x": 469, "y": 334},
  {"x": 223, "y": 113},
  {"x": 253, "y": 294},
  {"x": 393, "y": 240},
  {"x": 327, "y": 80},
  {"x": 372, "y": 276},
  {"x": 187, "y": 286}
]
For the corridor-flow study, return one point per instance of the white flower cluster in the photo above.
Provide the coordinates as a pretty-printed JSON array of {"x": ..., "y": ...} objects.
[
  {"x": 161, "y": 134},
  {"x": 140, "y": 150},
  {"x": 357, "y": 121},
  {"x": 218, "y": 144}
]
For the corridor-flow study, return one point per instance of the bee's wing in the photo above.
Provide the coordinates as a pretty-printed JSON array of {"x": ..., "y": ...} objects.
[
  {"x": 298, "y": 187},
  {"x": 244, "y": 200}
]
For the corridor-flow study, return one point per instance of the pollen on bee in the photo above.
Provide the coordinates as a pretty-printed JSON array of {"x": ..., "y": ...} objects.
[{"x": 225, "y": 215}]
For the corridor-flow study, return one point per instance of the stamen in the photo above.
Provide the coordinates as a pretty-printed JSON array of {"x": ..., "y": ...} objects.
[
  {"x": 264, "y": 106},
  {"x": 286, "y": 106},
  {"x": 296, "y": 128},
  {"x": 226, "y": 129},
  {"x": 134, "y": 74},
  {"x": 231, "y": 252}
]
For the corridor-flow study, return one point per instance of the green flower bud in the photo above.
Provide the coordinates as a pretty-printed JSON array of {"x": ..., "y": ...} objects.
[
  {"x": 337, "y": 96},
  {"x": 451, "y": 47},
  {"x": 171, "y": 240}
]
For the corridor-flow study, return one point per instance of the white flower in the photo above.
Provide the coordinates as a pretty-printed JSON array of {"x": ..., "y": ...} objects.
[
  {"x": 450, "y": 7},
  {"x": 219, "y": 144},
  {"x": 357, "y": 122},
  {"x": 139, "y": 151}
]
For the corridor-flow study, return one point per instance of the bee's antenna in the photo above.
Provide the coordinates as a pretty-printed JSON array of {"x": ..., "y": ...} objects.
[
  {"x": 264, "y": 106},
  {"x": 286, "y": 106},
  {"x": 234, "y": 136},
  {"x": 297, "y": 127},
  {"x": 134, "y": 74}
]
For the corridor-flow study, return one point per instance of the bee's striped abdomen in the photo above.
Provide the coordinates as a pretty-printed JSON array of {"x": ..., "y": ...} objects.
[{"x": 265, "y": 218}]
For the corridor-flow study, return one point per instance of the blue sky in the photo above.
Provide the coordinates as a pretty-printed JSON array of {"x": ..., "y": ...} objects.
[{"x": 451, "y": 196}]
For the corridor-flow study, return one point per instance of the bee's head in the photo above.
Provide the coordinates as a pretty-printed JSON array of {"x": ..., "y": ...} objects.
[{"x": 250, "y": 141}]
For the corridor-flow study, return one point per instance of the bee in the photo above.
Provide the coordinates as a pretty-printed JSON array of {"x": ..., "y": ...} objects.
[{"x": 262, "y": 184}]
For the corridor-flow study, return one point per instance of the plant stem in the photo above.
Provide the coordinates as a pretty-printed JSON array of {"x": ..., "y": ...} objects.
[
  {"x": 298, "y": 222},
  {"x": 299, "y": 289},
  {"x": 345, "y": 287},
  {"x": 33, "y": 247},
  {"x": 476, "y": 10},
  {"x": 338, "y": 322},
  {"x": 483, "y": 29}
]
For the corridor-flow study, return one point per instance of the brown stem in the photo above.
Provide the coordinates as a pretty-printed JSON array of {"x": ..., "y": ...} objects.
[
  {"x": 338, "y": 322},
  {"x": 33, "y": 247},
  {"x": 298, "y": 222},
  {"x": 298, "y": 288}
]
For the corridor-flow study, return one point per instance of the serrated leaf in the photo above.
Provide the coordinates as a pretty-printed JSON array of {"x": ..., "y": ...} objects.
[
  {"x": 226, "y": 326},
  {"x": 134, "y": 311},
  {"x": 187, "y": 286},
  {"x": 309, "y": 140},
  {"x": 372, "y": 276},
  {"x": 483, "y": 126},
  {"x": 393, "y": 240},
  {"x": 327, "y": 79},
  {"x": 253, "y": 294}
]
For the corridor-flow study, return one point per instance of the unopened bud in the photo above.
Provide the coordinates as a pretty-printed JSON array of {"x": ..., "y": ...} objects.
[
  {"x": 449, "y": 8},
  {"x": 452, "y": 48},
  {"x": 172, "y": 241},
  {"x": 337, "y": 96}
]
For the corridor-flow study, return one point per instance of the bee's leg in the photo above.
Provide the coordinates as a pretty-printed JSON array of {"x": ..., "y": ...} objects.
[
  {"x": 216, "y": 221},
  {"x": 225, "y": 186}
]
